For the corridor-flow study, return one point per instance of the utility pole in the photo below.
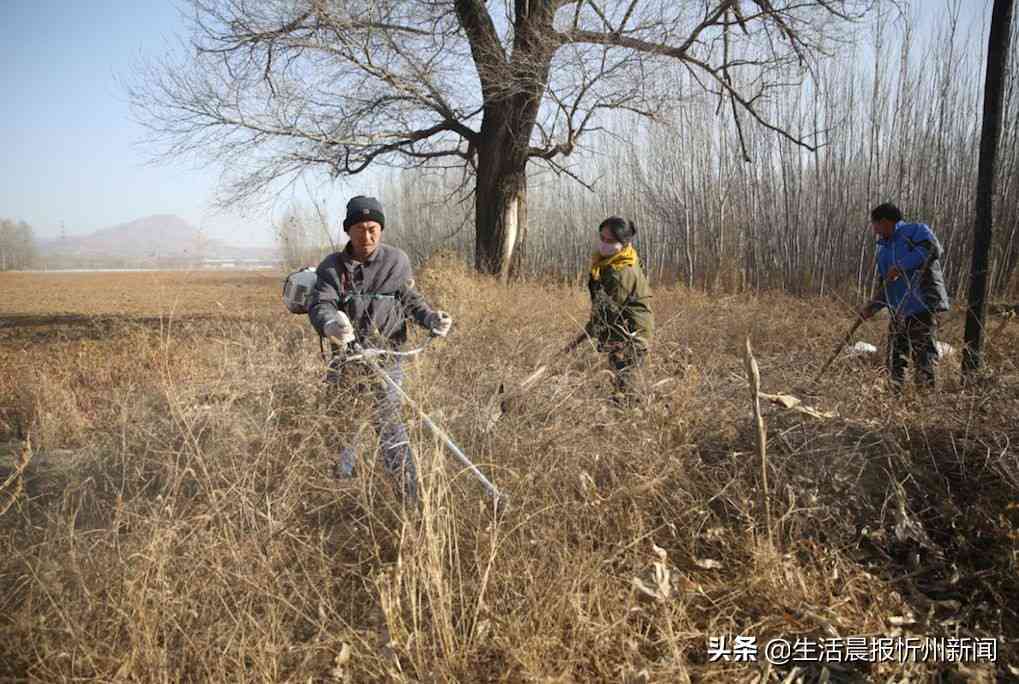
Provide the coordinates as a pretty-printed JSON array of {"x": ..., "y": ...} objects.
[{"x": 997, "y": 60}]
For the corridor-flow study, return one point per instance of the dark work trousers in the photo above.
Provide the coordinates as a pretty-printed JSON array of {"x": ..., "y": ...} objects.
[
  {"x": 397, "y": 456},
  {"x": 625, "y": 360},
  {"x": 912, "y": 337}
]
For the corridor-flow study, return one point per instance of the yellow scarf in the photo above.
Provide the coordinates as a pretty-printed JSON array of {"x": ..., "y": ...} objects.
[{"x": 627, "y": 256}]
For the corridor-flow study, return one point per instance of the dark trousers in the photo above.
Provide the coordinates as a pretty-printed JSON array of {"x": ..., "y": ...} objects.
[
  {"x": 912, "y": 337},
  {"x": 397, "y": 457}
]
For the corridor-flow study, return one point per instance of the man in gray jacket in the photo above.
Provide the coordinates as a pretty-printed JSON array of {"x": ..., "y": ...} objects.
[{"x": 365, "y": 293}]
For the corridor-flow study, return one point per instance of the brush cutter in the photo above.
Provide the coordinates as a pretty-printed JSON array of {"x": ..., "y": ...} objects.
[
  {"x": 838, "y": 349},
  {"x": 370, "y": 358},
  {"x": 856, "y": 324}
]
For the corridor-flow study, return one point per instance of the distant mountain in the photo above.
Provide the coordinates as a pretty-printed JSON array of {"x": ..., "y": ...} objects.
[{"x": 157, "y": 237}]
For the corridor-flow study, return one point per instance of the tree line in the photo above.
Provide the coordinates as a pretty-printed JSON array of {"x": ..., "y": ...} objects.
[
  {"x": 497, "y": 91},
  {"x": 901, "y": 126},
  {"x": 743, "y": 167}
]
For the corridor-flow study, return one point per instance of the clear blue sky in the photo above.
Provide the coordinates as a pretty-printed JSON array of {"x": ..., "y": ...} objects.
[
  {"x": 69, "y": 144},
  {"x": 70, "y": 150}
]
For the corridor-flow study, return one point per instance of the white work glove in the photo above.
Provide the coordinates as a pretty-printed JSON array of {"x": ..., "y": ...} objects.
[
  {"x": 440, "y": 323},
  {"x": 340, "y": 328}
]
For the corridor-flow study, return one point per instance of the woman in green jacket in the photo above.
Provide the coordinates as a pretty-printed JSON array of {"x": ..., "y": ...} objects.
[{"x": 621, "y": 319}]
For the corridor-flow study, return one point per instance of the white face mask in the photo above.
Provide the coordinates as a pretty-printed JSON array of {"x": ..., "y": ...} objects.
[{"x": 607, "y": 249}]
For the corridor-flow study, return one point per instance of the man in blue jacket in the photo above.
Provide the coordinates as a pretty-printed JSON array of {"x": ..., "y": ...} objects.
[{"x": 912, "y": 287}]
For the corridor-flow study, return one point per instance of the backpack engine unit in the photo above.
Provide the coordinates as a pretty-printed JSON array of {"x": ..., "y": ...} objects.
[{"x": 297, "y": 290}]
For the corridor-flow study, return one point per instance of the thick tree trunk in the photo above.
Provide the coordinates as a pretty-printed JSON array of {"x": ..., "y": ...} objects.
[
  {"x": 513, "y": 91},
  {"x": 501, "y": 191},
  {"x": 499, "y": 211},
  {"x": 997, "y": 60}
]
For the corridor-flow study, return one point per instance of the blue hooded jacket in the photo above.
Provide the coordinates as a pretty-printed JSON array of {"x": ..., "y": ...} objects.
[{"x": 921, "y": 287}]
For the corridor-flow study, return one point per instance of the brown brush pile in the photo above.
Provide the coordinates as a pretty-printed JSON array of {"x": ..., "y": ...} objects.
[{"x": 169, "y": 512}]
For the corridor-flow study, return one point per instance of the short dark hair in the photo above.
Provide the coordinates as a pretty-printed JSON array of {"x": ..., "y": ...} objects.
[{"x": 886, "y": 211}]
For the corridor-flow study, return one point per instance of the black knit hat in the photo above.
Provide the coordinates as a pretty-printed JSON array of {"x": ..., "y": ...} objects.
[
  {"x": 361, "y": 209},
  {"x": 622, "y": 229}
]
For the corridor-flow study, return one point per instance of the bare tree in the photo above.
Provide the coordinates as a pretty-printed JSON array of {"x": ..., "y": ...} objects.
[
  {"x": 793, "y": 220},
  {"x": 303, "y": 237},
  {"x": 17, "y": 245},
  {"x": 273, "y": 88},
  {"x": 997, "y": 63}
]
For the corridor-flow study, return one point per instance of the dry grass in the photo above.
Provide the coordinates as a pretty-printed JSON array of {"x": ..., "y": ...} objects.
[{"x": 178, "y": 520}]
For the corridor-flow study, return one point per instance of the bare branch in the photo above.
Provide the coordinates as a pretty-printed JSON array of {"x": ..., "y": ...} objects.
[{"x": 271, "y": 90}]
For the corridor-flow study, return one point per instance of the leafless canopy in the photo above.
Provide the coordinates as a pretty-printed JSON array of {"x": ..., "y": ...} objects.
[{"x": 270, "y": 88}]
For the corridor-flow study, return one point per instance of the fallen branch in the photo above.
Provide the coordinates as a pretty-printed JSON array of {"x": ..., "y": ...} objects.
[{"x": 790, "y": 402}]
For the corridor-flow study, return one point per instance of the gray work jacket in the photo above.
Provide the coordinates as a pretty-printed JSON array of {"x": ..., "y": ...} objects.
[{"x": 378, "y": 295}]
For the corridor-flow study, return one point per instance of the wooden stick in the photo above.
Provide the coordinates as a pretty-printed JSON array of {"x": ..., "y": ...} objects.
[
  {"x": 531, "y": 379},
  {"x": 754, "y": 378},
  {"x": 839, "y": 348}
]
